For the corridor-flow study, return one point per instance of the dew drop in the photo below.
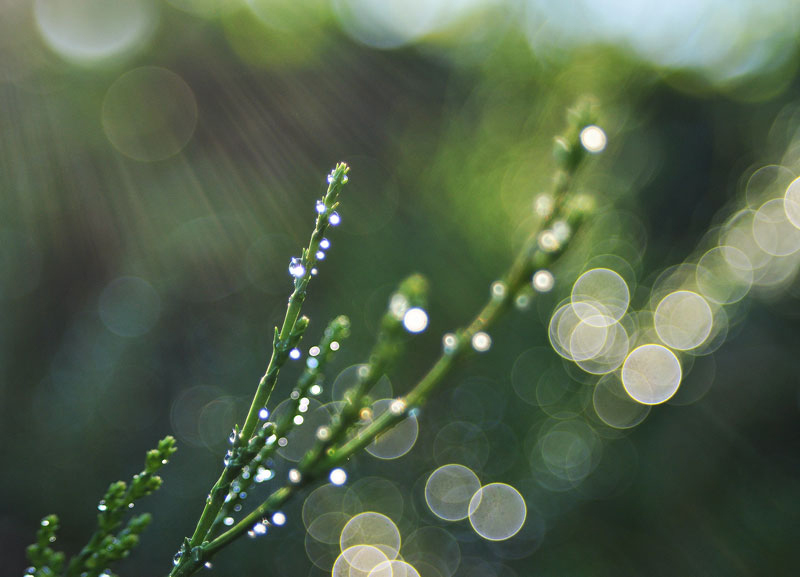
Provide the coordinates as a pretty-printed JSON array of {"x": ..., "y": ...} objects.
[
  {"x": 294, "y": 354},
  {"x": 227, "y": 521},
  {"x": 232, "y": 437},
  {"x": 315, "y": 390},
  {"x": 278, "y": 518},
  {"x": 295, "y": 476},
  {"x": 320, "y": 207},
  {"x": 296, "y": 268},
  {"x": 320, "y": 255},
  {"x": 481, "y": 342},
  {"x": 334, "y": 219},
  {"x": 498, "y": 289},
  {"x": 543, "y": 281},
  {"x": 415, "y": 320},
  {"x": 298, "y": 420},
  {"x": 260, "y": 529},
  {"x": 263, "y": 414},
  {"x": 324, "y": 244},
  {"x": 334, "y": 345},
  {"x": 227, "y": 460},
  {"x": 338, "y": 476},
  {"x": 548, "y": 241},
  {"x": 312, "y": 363},
  {"x": 397, "y": 407},
  {"x": 314, "y": 272},
  {"x": 593, "y": 139},
  {"x": 177, "y": 558},
  {"x": 101, "y": 506},
  {"x": 263, "y": 474},
  {"x": 449, "y": 343}
]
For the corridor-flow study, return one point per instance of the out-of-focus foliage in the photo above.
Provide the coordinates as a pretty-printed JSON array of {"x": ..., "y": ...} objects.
[{"x": 159, "y": 161}]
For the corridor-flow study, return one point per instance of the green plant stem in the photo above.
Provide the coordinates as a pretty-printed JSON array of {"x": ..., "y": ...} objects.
[
  {"x": 280, "y": 352},
  {"x": 531, "y": 258}
]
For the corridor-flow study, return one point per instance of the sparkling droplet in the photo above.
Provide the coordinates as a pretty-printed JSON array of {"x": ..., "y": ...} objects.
[
  {"x": 260, "y": 529},
  {"x": 228, "y": 521},
  {"x": 312, "y": 363},
  {"x": 543, "y": 205},
  {"x": 323, "y": 433},
  {"x": 263, "y": 414},
  {"x": 232, "y": 437},
  {"x": 296, "y": 268},
  {"x": 298, "y": 420},
  {"x": 294, "y": 476},
  {"x": 562, "y": 231},
  {"x": 449, "y": 343},
  {"x": 522, "y": 301},
  {"x": 45, "y": 522},
  {"x": 130, "y": 505},
  {"x": 415, "y": 320},
  {"x": 338, "y": 476},
  {"x": 101, "y": 506},
  {"x": 320, "y": 207},
  {"x": 498, "y": 289},
  {"x": 334, "y": 345},
  {"x": 324, "y": 244},
  {"x": 314, "y": 351},
  {"x": 237, "y": 508},
  {"x": 334, "y": 219},
  {"x": 208, "y": 565},
  {"x": 481, "y": 341},
  {"x": 345, "y": 178},
  {"x": 593, "y": 139},
  {"x": 315, "y": 390},
  {"x": 278, "y": 518},
  {"x": 543, "y": 281},
  {"x": 398, "y": 407},
  {"x": 227, "y": 460},
  {"x": 330, "y": 178},
  {"x": 177, "y": 558},
  {"x": 283, "y": 441},
  {"x": 320, "y": 255},
  {"x": 314, "y": 272},
  {"x": 294, "y": 354},
  {"x": 263, "y": 474},
  {"x": 548, "y": 241}
]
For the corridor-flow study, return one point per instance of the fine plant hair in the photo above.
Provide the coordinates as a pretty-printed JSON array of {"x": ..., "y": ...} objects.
[{"x": 255, "y": 442}]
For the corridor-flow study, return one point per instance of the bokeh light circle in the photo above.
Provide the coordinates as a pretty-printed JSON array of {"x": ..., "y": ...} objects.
[
  {"x": 396, "y": 441},
  {"x": 791, "y": 202},
  {"x": 373, "y": 529},
  {"x": 683, "y": 320},
  {"x": 394, "y": 568},
  {"x": 149, "y": 113},
  {"x": 724, "y": 275},
  {"x": 129, "y": 306},
  {"x": 773, "y": 231},
  {"x": 358, "y": 561},
  {"x": 89, "y": 31},
  {"x": 449, "y": 490},
  {"x": 614, "y": 406},
  {"x": 606, "y": 290},
  {"x": 651, "y": 374},
  {"x": 497, "y": 512}
]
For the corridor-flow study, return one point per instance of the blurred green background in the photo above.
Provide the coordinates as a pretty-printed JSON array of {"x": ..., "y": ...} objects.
[{"x": 159, "y": 162}]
